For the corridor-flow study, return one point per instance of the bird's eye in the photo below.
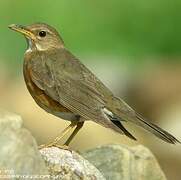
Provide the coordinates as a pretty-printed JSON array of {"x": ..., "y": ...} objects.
[{"x": 42, "y": 33}]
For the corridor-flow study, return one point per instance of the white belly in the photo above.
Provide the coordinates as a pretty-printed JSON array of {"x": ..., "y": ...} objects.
[{"x": 66, "y": 116}]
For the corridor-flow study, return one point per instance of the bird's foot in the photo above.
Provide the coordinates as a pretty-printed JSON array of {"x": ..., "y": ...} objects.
[
  {"x": 64, "y": 147},
  {"x": 45, "y": 146}
]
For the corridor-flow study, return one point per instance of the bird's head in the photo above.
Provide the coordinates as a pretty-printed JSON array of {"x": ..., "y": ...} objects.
[{"x": 40, "y": 36}]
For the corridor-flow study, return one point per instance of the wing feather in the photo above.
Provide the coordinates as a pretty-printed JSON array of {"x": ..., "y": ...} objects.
[{"x": 69, "y": 82}]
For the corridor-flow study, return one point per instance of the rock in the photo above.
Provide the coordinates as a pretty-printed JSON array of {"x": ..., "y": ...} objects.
[
  {"x": 69, "y": 165},
  {"x": 119, "y": 162},
  {"x": 20, "y": 157},
  {"x": 18, "y": 150}
]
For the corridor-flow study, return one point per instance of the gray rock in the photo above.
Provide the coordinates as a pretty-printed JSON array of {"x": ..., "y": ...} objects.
[
  {"x": 69, "y": 165},
  {"x": 18, "y": 150},
  {"x": 118, "y": 162},
  {"x": 20, "y": 157}
]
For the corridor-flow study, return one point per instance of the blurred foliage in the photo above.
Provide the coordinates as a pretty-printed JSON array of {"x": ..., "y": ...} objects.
[{"x": 98, "y": 27}]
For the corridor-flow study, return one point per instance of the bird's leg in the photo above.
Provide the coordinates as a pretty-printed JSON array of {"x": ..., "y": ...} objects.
[
  {"x": 76, "y": 130},
  {"x": 65, "y": 146},
  {"x": 59, "y": 137}
]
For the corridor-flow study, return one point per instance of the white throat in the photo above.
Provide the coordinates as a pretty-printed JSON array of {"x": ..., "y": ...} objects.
[{"x": 30, "y": 46}]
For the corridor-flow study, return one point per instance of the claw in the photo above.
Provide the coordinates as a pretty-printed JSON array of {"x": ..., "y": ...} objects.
[{"x": 64, "y": 147}]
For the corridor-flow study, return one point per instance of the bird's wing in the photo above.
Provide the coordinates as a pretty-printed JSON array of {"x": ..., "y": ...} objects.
[{"x": 69, "y": 82}]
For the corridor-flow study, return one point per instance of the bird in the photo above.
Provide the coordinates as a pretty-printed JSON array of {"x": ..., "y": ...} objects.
[{"x": 63, "y": 86}]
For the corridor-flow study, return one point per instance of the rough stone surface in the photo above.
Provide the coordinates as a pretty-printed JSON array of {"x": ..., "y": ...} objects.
[
  {"x": 69, "y": 165},
  {"x": 20, "y": 157},
  {"x": 18, "y": 150},
  {"x": 118, "y": 162}
]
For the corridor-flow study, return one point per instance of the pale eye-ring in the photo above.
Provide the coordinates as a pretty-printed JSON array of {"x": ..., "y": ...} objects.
[{"x": 42, "y": 33}]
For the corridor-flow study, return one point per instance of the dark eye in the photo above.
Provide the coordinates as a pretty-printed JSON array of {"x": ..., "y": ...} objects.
[{"x": 42, "y": 33}]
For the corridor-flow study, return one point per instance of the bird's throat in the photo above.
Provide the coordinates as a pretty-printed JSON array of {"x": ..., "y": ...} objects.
[{"x": 30, "y": 45}]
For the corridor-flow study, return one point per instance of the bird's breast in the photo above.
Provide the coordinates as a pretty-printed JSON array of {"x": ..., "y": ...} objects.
[{"x": 42, "y": 99}]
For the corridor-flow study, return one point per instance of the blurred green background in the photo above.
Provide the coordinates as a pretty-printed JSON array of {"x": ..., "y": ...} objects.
[
  {"x": 118, "y": 27},
  {"x": 133, "y": 46}
]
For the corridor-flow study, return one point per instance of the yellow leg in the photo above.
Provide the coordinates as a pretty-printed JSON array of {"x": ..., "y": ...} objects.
[
  {"x": 76, "y": 130},
  {"x": 59, "y": 137}
]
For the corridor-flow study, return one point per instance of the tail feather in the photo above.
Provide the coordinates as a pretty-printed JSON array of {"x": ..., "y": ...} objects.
[
  {"x": 117, "y": 125},
  {"x": 123, "y": 111},
  {"x": 154, "y": 129},
  {"x": 126, "y": 132}
]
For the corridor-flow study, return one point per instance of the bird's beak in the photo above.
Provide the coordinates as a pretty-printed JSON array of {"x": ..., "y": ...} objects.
[{"x": 23, "y": 30}]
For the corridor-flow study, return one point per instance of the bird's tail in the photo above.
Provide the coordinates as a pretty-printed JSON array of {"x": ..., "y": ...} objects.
[
  {"x": 123, "y": 111},
  {"x": 154, "y": 129}
]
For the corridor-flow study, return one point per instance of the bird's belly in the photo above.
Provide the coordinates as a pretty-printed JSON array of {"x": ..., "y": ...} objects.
[{"x": 66, "y": 115}]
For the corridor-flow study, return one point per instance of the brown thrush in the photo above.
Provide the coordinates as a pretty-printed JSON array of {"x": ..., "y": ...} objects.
[{"x": 64, "y": 87}]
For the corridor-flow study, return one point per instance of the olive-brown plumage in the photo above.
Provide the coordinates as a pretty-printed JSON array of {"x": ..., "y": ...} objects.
[{"x": 63, "y": 86}]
